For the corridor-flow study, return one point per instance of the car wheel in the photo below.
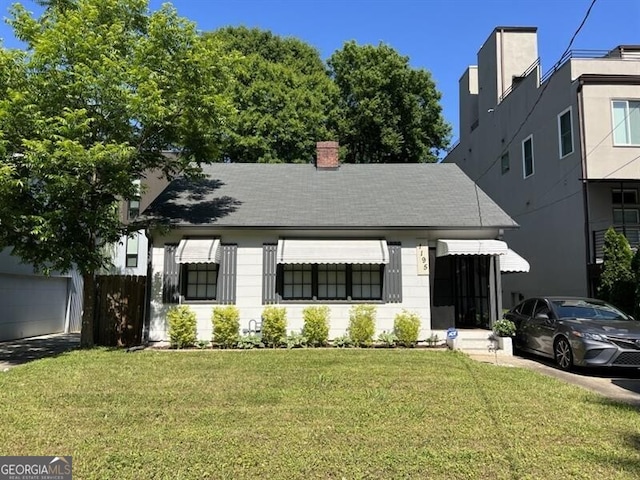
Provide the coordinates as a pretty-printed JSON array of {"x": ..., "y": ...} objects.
[{"x": 562, "y": 353}]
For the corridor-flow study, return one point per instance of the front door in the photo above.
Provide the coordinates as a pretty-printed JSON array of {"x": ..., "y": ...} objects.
[{"x": 462, "y": 281}]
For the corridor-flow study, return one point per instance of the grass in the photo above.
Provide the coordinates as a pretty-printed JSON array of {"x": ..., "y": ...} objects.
[{"x": 328, "y": 414}]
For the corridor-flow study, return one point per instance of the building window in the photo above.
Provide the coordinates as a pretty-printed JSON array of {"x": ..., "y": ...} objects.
[
  {"x": 624, "y": 197},
  {"x": 132, "y": 250},
  {"x": 626, "y": 122},
  {"x": 565, "y": 133},
  {"x": 297, "y": 282},
  {"x": 133, "y": 206},
  {"x": 504, "y": 161},
  {"x": 626, "y": 216},
  {"x": 366, "y": 282},
  {"x": 332, "y": 282},
  {"x": 201, "y": 281},
  {"x": 527, "y": 156}
]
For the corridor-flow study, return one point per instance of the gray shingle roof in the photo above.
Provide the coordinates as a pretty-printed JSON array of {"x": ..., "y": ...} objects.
[{"x": 353, "y": 196}]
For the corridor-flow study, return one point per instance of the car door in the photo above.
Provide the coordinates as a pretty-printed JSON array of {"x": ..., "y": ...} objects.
[
  {"x": 542, "y": 327},
  {"x": 521, "y": 317}
]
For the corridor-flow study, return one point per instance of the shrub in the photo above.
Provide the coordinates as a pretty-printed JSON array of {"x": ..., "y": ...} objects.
[
  {"x": 504, "y": 328},
  {"x": 433, "y": 340},
  {"x": 247, "y": 342},
  {"x": 182, "y": 326},
  {"x": 226, "y": 324},
  {"x": 343, "y": 341},
  {"x": 388, "y": 339},
  {"x": 295, "y": 340},
  {"x": 316, "y": 325},
  {"x": 406, "y": 326},
  {"x": 274, "y": 326},
  {"x": 362, "y": 324}
]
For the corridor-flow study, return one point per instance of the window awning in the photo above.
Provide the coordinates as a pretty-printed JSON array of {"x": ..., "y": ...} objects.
[
  {"x": 198, "y": 250},
  {"x": 512, "y": 262},
  {"x": 333, "y": 251},
  {"x": 471, "y": 247}
]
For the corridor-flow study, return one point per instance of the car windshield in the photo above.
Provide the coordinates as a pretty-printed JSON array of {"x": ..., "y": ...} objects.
[{"x": 584, "y": 309}]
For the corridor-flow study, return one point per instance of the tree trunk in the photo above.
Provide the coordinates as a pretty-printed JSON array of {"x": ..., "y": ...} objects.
[{"x": 88, "y": 312}]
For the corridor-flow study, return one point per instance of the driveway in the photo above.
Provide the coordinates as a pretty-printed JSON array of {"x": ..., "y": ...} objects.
[
  {"x": 18, "y": 352},
  {"x": 619, "y": 385}
]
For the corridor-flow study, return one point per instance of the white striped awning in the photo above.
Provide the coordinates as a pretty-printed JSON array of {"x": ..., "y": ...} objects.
[
  {"x": 471, "y": 247},
  {"x": 333, "y": 251},
  {"x": 198, "y": 250},
  {"x": 512, "y": 262}
]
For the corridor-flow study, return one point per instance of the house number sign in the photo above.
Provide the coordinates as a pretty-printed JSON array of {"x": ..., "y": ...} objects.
[{"x": 422, "y": 252}]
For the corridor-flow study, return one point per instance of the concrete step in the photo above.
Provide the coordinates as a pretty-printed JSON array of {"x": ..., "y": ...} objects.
[{"x": 477, "y": 341}]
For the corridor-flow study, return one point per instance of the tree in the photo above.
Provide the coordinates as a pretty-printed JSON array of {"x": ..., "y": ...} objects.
[
  {"x": 102, "y": 89},
  {"x": 283, "y": 97},
  {"x": 617, "y": 282},
  {"x": 390, "y": 112}
]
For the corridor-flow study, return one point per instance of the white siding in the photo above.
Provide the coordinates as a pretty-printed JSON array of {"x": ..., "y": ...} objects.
[{"x": 415, "y": 289}]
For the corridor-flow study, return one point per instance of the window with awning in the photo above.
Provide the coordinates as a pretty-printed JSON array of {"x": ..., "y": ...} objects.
[
  {"x": 471, "y": 247},
  {"x": 333, "y": 251},
  {"x": 198, "y": 250},
  {"x": 332, "y": 270}
]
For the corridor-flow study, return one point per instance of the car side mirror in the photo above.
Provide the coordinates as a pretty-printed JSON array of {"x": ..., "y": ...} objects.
[{"x": 542, "y": 316}]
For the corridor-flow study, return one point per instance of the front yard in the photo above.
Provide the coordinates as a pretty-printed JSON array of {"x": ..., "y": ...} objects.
[{"x": 310, "y": 414}]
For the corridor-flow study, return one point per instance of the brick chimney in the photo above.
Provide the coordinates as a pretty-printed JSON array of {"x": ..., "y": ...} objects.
[{"x": 327, "y": 155}]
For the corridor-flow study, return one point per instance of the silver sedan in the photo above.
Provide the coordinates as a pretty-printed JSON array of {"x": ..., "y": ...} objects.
[{"x": 576, "y": 331}]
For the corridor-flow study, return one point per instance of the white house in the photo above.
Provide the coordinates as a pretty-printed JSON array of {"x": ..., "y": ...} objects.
[{"x": 421, "y": 237}]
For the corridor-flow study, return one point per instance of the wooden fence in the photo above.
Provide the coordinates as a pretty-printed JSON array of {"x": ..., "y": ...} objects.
[{"x": 120, "y": 309}]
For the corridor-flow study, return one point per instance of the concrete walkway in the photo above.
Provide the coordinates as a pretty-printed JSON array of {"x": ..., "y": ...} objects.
[
  {"x": 18, "y": 352},
  {"x": 620, "y": 385}
]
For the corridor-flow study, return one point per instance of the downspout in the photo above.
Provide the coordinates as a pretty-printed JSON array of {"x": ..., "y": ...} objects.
[
  {"x": 585, "y": 185},
  {"x": 147, "y": 294}
]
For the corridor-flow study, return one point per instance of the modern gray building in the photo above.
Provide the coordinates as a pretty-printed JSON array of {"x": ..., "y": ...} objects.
[{"x": 559, "y": 151}]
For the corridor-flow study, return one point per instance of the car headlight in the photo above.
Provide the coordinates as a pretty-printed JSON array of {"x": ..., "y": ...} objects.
[{"x": 590, "y": 336}]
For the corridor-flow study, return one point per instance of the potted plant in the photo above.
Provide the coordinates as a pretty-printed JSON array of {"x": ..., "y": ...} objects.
[{"x": 500, "y": 337}]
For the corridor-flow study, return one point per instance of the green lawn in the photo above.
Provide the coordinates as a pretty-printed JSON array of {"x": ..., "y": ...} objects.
[{"x": 311, "y": 414}]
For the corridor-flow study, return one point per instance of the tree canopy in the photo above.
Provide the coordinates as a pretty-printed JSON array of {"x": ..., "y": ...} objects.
[
  {"x": 390, "y": 112},
  {"x": 282, "y": 95},
  {"x": 101, "y": 91}
]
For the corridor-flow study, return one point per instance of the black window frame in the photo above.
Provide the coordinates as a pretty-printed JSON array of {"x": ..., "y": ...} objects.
[
  {"x": 186, "y": 268},
  {"x": 531, "y": 157},
  {"x": 315, "y": 297},
  {"x": 567, "y": 135}
]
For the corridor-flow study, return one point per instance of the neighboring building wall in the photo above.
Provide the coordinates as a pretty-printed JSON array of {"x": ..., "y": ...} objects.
[
  {"x": 548, "y": 204},
  {"x": 416, "y": 292},
  {"x": 122, "y": 255},
  {"x": 604, "y": 159}
]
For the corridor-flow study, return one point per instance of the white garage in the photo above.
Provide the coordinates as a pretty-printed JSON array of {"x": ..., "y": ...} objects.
[{"x": 32, "y": 305}]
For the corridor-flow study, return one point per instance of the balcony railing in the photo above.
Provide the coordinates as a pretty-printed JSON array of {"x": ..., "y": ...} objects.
[{"x": 631, "y": 232}]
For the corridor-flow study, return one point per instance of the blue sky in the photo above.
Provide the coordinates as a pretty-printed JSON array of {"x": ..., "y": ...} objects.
[{"x": 442, "y": 36}]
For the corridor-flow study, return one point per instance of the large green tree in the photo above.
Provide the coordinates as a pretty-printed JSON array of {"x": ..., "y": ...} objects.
[
  {"x": 390, "y": 112},
  {"x": 282, "y": 94},
  {"x": 101, "y": 90}
]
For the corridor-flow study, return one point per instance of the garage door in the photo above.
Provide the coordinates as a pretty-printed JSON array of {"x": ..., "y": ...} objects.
[{"x": 31, "y": 305}]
